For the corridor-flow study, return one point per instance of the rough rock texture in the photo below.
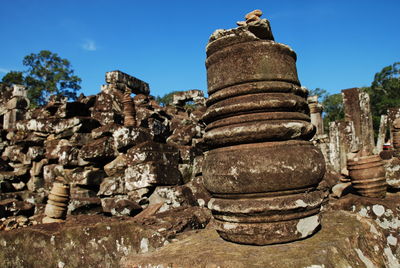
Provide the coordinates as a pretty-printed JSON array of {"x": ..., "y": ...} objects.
[
  {"x": 122, "y": 80},
  {"x": 345, "y": 240},
  {"x": 94, "y": 241},
  {"x": 357, "y": 109},
  {"x": 112, "y": 169},
  {"x": 257, "y": 113},
  {"x": 384, "y": 212}
]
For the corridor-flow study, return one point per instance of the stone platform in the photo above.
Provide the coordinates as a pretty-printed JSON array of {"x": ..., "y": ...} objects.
[{"x": 345, "y": 240}]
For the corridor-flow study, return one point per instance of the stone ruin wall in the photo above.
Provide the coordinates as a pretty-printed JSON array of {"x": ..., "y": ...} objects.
[
  {"x": 112, "y": 169},
  {"x": 355, "y": 133},
  {"x": 120, "y": 170}
]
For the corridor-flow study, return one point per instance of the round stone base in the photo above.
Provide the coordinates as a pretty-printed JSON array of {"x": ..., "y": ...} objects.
[
  {"x": 267, "y": 220},
  {"x": 268, "y": 233}
]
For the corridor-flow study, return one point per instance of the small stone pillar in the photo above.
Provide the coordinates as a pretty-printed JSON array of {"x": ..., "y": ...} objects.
[
  {"x": 382, "y": 133},
  {"x": 16, "y": 107},
  {"x": 396, "y": 136},
  {"x": 316, "y": 114},
  {"x": 129, "y": 111},
  {"x": 57, "y": 203},
  {"x": 260, "y": 167},
  {"x": 357, "y": 109}
]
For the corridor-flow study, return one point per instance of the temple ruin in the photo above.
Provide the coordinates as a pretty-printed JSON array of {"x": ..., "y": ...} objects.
[{"x": 106, "y": 179}]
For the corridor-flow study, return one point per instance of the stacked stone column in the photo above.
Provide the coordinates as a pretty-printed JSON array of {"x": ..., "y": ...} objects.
[
  {"x": 316, "y": 114},
  {"x": 261, "y": 168},
  {"x": 15, "y": 107},
  {"x": 129, "y": 110}
]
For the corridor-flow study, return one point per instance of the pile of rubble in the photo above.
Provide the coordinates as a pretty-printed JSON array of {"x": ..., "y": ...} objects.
[{"x": 112, "y": 168}]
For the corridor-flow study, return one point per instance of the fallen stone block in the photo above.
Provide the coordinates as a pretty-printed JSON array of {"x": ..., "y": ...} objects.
[
  {"x": 126, "y": 137},
  {"x": 105, "y": 131},
  {"x": 57, "y": 125},
  {"x": 150, "y": 174},
  {"x": 199, "y": 193},
  {"x": 102, "y": 148},
  {"x": 171, "y": 197},
  {"x": 135, "y": 85},
  {"x": 383, "y": 212},
  {"x": 80, "y": 139},
  {"x": 120, "y": 206},
  {"x": 111, "y": 186},
  {"x": 78, "y": 191},
  {"x": 85, "y": 205},
  {"x": 50, "y": 173},
  {"x": 14, "y": 207},
  {"x": 85, "y": 176},
  {"x": 184, "y": 135},
  {"x": 194, "y": 95},
  {"x": 151, "y": 151},
  {"x": 117, "y": 166},
  {"x": 55, "y": 148}
]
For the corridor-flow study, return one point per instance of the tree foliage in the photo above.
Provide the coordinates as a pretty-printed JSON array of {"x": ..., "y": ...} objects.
[
  {"x": 333, "y": 105},
  {"x": 333, "y": 108},
  {"x": 320, "y": 92},
  {"x": 166, "y": 99},
  {"x": 46, "y": 74},
  {"x": 384, "y": 92},
  {"x": 13, "y": 77}
]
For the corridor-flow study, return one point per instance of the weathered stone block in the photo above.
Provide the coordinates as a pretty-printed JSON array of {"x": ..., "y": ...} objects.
[
  {"x": 126, "y": 137},
  {"x": 194, "y": 95},
  {"x": 50, "y": 173},
  {"x": 184, "y": 135},
  {"x": 149, "y": 174},
  {"x": 85, "y": 205},
  {"x": 170, "y": 196},
  {"x": 135, "y": 85},
  {"x": 102, "y": 148},
  {"x": 54, "y": 148},
  {"x": 117, "y": 166},
  {"x": 56, "y": 125},
  {"x": 111, "y": 186},
  {"x": 85, "y": 176},
  {"x": 13, "y": 207},
  {"x": 120, "y": 206},
  {"x": 151, "y": 151}
]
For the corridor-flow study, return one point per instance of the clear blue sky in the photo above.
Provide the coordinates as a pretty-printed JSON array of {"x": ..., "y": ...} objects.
[{"x": 339, "y": 43}]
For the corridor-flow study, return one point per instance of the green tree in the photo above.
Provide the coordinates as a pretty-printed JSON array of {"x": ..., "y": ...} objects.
[
  {"x": 384, "y": 92},
  {"x": 13, "y": 77},
  {"x": 333, "y": 106},
  {"x": 333, "y": 109},
  {"x": 320, "y": 92},
  {"x": 166, "y": 99},
  {"x": 47, "y": 74}
]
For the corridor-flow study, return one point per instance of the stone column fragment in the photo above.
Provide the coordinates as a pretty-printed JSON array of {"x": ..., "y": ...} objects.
[
  {"x": 129, "y": 111},
  {"x": 357, "y": 109},
  {"x": 260, "y": 168},
  {"x": 316, "y": 114},
  {"x": 15, "y": 108}
]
